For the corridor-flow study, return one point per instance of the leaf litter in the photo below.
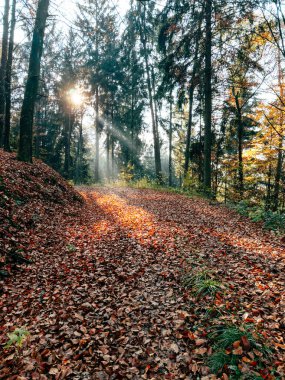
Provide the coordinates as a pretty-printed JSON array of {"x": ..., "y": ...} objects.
[{"x": 104, "y": 297}]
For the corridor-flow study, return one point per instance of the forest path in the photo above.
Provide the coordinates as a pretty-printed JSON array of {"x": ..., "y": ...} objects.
[{"x": 105, "y": 299}]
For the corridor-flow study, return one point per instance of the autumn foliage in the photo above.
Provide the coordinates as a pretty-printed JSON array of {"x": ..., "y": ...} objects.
[{"x": 135, "y": 284}]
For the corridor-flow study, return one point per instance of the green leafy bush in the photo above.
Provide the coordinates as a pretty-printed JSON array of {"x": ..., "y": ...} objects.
[
  {"x": 17, "y": 338},
  {"x": 274, "y": 221}
]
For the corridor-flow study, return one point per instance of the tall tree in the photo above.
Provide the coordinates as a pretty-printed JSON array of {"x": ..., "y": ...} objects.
[
  {"x": 3, "y": 67},
  {"x": 7, "y": 125},
  {"x": 208, "y": 96},
  {"x": 144, "y": 36},
  {"x": 25, "y": 151}
]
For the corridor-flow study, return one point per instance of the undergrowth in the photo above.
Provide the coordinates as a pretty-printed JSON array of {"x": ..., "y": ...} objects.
[
  {"x": 272, "y": 220},
  {"x": 238, "y": 350}
]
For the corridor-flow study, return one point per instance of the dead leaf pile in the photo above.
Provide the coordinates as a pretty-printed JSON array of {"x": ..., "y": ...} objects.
[{"x": 105, "y": 299}]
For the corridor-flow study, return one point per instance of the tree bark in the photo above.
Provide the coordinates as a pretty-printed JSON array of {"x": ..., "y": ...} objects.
[
  {"x": 156, "y": 144},
  {"x": 25, "y": 152},
  {"x": 67, "y": 138},
  {"x": 191, "y": 97},
  {"x": 240, "y": 133},
  {"x": 3, "y": 67},
  {"x": 189, "y": 130},
  {"x": 97, "y": 136},
  {"x": 278, "y": 175},
  {"x": 208, "y": 98},
  {"x": 7, "y": 124},
  {"x": 170, "y": 144},
  {"x": 108, "y": 153}
]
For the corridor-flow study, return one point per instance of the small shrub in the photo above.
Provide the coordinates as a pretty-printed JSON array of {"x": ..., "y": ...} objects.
[
  {"x": 218, "y": 360},
  {"x": 257, "y": 214},
  {"x": 202, "y": 283},
  {"x": 274, "y": 221},
  {"x": 17, "y": 338},
  {"x": 71, "y": 248},
  {"x": 242, "y": 208},
  {"x": 224, "y": 337},
  {"x": 207, "y": 287},
  {"x": 190, "y": 279}
]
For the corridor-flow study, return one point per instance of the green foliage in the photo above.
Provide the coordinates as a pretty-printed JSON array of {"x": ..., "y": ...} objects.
[
  {"x": 225, "y": 336},
  {"x": 127, "y": 174},
  {"x": 242, "y": 208},
  {"x": 17, "y": 338},
  {"x": 274, "y": 221},
  {"x": 202, "y": 283},
  {"x": 218, "y": 360},
  {"x": 257, "y": 214},
  {"x": 71, "y": 248},
  {"x": 207, "y": 287}
]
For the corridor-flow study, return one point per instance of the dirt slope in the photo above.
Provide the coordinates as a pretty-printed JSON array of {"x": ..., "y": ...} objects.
[{"x": 30, "y": 197}]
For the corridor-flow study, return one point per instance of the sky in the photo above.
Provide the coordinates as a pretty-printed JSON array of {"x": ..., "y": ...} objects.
[{"x": 65, "y": 11}]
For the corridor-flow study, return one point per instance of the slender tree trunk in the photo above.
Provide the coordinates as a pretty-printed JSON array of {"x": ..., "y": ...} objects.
[
  {"x": 4, "y": 67},
  {"x": 67, "y": 138},
  {"x": 189, "y": 130},
  {"x": 113, "y": 158},
  {"x": 25, "y": 151},
  {"x": 281, "y": 138},
  {"x": 151, "y": 102},
  {"x": 268, "y": 192},
  {"x": 278, "y": 175},
  {"x": 7, "y": 125},
  {"x": 97, "y": 136},
  {"x": 240, "y": 133},
  {"x": 108, "y": 153},
  {"x": 191, "y": 97},
  {"x": 79, "y": 152},
  {"x": 170, "y": 182},
  {"x": 97, "y": 126},
  {"x": 208, "y": 98}
]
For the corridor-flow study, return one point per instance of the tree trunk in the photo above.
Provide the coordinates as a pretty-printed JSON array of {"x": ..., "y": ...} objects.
[
  {"x": 78, "y": 175},
  {"x": 4, "y": 67},
  {"x": 278, "y": 175},
  {"x": 208, "y": 98},
  {"x": 113, "y": 158},
  {"x": 189, "y": 130},
  {"x": 280, "y": 147},
  {"x": 151, "y": 102},
  {"x": 170, "y": 145},
  {"x": 268, "y": 189},
  {"x": 25, "y": 151},
  {"x": 67, "y": 138},
  {"x": 191, "y": 97},
  {"x": 240, "y": 154},
  {"x": 108, "y": 153},
  {"x": 37, "y": 130},
  {"x": 7, "y": 126},
  {"x": 97, "y": 136}
]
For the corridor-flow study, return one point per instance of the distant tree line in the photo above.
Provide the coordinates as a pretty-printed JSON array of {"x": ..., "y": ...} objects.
[{"x": 203, "y": 78}]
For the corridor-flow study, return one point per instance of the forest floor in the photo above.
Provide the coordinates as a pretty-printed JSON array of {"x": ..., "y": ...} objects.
[{"x": 144, "y": 284}]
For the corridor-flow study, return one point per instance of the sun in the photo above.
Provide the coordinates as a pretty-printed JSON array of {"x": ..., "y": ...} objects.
[{"x": 76, "y": 97}]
